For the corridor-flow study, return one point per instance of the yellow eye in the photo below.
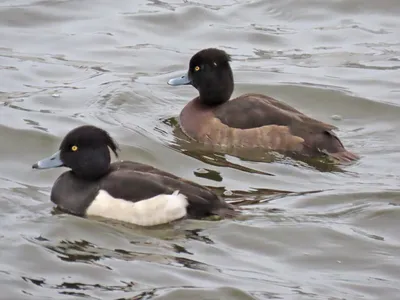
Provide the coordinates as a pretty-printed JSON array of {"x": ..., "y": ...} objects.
[
  {"x": 196, "y": 68},
  {"x": 74, "y": 148}
]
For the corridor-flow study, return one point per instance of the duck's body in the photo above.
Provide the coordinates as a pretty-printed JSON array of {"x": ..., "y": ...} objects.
[
  {"x": 250, "y": 120},
  {"x": 266, "y": 123},
  {"x": 127, "y": 191}
]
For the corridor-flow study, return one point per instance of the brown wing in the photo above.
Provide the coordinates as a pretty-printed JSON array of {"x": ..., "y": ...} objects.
[
  {"x": 278, "y": 125},
  {"x": 253, "y": 110}
]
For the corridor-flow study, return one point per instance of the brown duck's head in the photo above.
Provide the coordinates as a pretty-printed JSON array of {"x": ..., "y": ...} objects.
[{"x": 211, "y": 74}]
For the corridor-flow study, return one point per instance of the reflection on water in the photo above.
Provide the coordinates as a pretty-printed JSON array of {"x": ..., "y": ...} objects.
[{"x": 308, "y": 229}]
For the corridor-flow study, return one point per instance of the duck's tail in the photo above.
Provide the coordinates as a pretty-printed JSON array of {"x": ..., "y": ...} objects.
[
  {"x": 226, "y": 211},
  {"x": 334, "y": 148},
  {"x": 344, "y": 156}
]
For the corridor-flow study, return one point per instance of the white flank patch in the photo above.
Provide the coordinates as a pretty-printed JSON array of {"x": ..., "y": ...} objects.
[{"x": 148, "y": 212}]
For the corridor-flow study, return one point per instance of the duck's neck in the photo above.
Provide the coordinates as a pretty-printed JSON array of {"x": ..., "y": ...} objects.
[
  {"x": 92, "y": 172},
  {"x": 215, "y": 95},
  {"x": 211, "y": 101},
  {"x": 92, "y": 176}
]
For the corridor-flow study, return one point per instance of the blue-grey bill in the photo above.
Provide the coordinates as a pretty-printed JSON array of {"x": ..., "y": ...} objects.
[
  {"x": 183, "y": 80},
  {"x": 53, "y": 161}
]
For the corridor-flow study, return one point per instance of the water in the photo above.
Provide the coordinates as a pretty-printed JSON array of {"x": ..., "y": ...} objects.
[{"x": 68, "y": 63}]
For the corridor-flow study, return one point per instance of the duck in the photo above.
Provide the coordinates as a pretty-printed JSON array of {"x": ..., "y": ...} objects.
[
  {"x": 126, "y": 191},
  {"x": 249, "y": 121}
]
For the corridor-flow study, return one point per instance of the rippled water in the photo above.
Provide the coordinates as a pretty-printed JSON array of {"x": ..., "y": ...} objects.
[{"x": 314, "y": 234}]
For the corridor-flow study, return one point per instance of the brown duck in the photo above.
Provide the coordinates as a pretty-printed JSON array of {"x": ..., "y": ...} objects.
[{"x": 251, "y": 120}]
